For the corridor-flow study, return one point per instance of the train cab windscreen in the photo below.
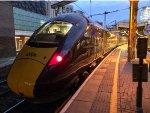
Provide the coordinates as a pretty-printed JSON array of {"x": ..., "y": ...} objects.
[{"x": 52, "y": 33}]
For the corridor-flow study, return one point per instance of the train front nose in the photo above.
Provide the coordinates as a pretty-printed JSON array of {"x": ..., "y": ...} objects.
[
  {"x": 23, "y": 76},
  {"x": 27, "y": 68}
]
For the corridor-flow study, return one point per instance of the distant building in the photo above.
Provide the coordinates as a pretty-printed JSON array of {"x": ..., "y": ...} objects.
[
  {"x": 124, "y": 27},
  {"x": 52, "y": 12},
  {"x": 49, "y": 11},
  {"x": 32, "y": 6},
  {"x": 67, "y": 9},
  {"x": 26, "y": 23},
  {"x": 7, "y": 33},
  {"x": 42, "y": 7},
  {"x": 145, "y": 14},
  {"x": 19, "y": 19},
  {"x": 28, "y": 16}
]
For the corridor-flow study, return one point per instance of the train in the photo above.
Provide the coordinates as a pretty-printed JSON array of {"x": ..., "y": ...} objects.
[{"x": 55, "y": 57}]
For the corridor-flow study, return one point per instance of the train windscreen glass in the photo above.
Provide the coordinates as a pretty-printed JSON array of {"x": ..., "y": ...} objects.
[{"x": 52, "y": 33}]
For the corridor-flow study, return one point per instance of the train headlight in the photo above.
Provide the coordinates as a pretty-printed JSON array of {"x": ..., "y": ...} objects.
[
  {"x": 59, "y": 58},
  {"x": 56, "y": 59}
]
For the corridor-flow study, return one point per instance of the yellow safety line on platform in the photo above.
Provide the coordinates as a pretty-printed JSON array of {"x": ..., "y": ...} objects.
[
  {"x": 81, "y": 87},
  {"x": 113, "y": 100}
]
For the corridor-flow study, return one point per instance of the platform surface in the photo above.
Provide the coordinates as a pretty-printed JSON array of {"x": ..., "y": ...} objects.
[{"x": 109, "y": 88}]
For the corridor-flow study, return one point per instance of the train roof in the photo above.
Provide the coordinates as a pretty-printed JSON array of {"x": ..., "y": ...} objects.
[
  {"x": 100, "y": 26},
  {"x": 75, "y": 19},
  {"x": 71, "y": 18}
]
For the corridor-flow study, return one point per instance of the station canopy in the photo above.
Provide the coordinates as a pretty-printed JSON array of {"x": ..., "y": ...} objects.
[{"x": 62, "y": 3}]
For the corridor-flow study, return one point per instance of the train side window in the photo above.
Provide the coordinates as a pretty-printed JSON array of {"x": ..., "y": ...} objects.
[
  {"x": 88, "y": 36},
  {"x": 78, "y": 45},
  {"x": 108, "y": 35},
  {"x": 83, "y": 43},
  {"x": 88, "y": 41},
  {"x": 88, "y": 33},
  {"x": 99, "y": 34}
]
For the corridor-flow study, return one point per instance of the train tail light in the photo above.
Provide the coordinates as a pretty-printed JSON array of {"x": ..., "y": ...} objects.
[{"x": 56, "y": 59}]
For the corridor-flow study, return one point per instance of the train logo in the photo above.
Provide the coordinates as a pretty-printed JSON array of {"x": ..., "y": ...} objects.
[{"x": 31, "y": 54}]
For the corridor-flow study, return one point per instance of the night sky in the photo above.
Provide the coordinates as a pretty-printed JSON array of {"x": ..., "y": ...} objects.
[{"x": 100, "y": 6}]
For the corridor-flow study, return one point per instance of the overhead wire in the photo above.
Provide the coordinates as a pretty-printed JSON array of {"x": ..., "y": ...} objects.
[
  {"x": 106, "y": 12},
  {"x": 81, "y": 9},
  {"x": 109, "y": 12}
]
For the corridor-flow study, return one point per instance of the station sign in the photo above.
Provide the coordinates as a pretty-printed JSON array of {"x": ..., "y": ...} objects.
[
  {"x": 140, "y": 70},
  {"x": 141, "y": 47}
]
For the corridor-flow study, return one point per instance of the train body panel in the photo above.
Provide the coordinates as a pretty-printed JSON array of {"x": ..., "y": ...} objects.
[
  {"x": 26, "y": 69},
  {"x": 26, "y": 76}
]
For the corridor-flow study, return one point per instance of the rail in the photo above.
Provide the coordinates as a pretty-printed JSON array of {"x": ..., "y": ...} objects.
[{"x": 3, "y": 87}]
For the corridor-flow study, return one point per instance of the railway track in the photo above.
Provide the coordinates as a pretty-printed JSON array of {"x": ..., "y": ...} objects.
[
  {"x": 8, "y": 110},
  {"x": 27, "y": 107},
  {"x": 24, "y": 106},
  {"x": 3, "y": 87},
  {"x": 7, "y": 97}
]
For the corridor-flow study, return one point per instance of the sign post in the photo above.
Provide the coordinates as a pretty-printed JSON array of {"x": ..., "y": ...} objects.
[{"x": 140, "y": 71}]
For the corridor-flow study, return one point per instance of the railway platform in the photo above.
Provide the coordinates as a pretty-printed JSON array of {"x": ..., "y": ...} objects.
[{"x": 109, "y": 88}]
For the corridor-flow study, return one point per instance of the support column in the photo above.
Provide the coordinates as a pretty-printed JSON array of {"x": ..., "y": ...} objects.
[
  {"x": 7, "y": 31},
  {"x": 132, "y": 29}
]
